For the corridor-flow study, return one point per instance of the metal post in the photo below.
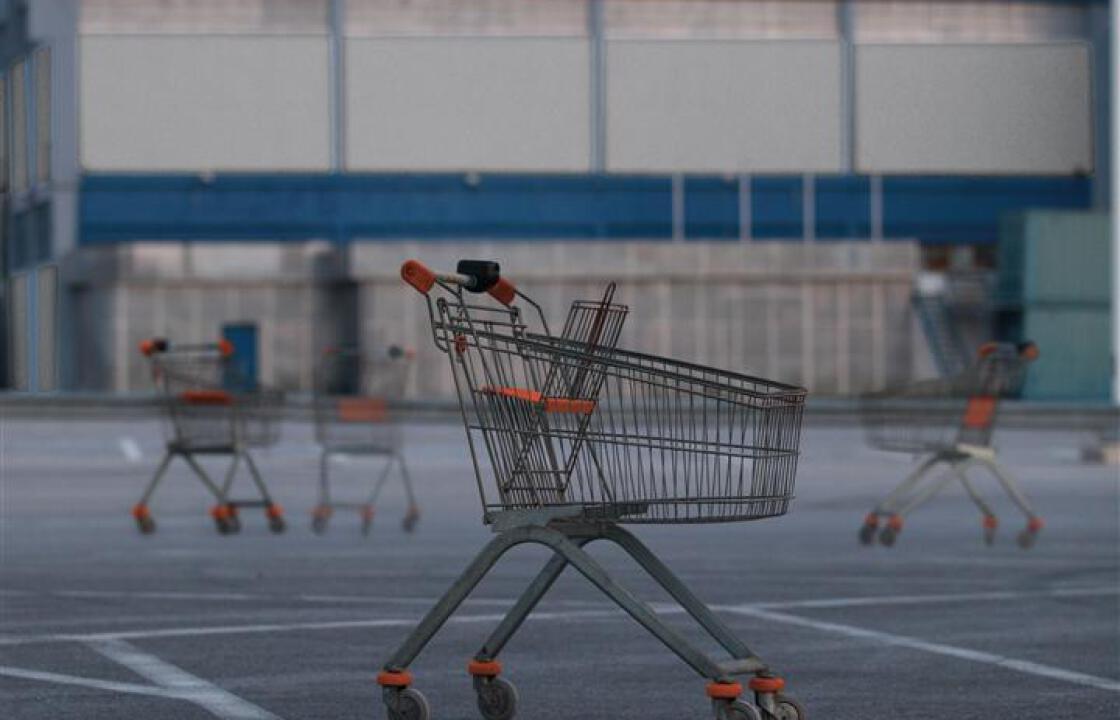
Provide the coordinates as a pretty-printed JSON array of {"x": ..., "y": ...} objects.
[
  {"x": 847, "y": 86},
  {"x": 809, "y": 207},
  {"x": 336, "y": 85},
  {"x": 1115, "y": 142},
  {"x": 678, "y": 207},
  {"x": 745, "y": 216},
  {"x": 597, "y": 86},
  {"x": 875, "y": 192}
]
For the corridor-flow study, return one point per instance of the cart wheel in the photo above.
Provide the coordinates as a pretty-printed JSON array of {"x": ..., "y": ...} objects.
[
  {"x": 867, "y": 534},
  {"x": 318, "y": 524},
  {"x": 146, "y": 525},
  {"x": 276, "y": 524},
  {"x": 222, "y": 525},
  {"x": 1026, "y": 539},
  {"x": 233, "y": 521},
  {"x": 411, "y": 519},
  {"x": 786, "y": 708},
  {"x": 737, "y": 710},
  {"x": 888, "y": 536},
  {"x": 408, "y": 704},
  {"x": 497, "y": 699}
]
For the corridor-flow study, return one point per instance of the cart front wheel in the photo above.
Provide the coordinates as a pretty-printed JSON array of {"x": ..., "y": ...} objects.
[
  {"x": 867, "y": 534},
  {"x": 737, "y": 710},
  {"x": 277, "y": 524},
  {"x": 408, "y": 704},
  {"x": 1026, "y": 539},
  {"x": 233, "y": 521},
  {"x": 888, "y": 536},
  {"x": 411, "y": 519},
  {"x": 146, "y": 525},
  {"x": 497, "y": 699},
  {"x": 786, "y": 708},
  {"x": 318, "y": 524}
]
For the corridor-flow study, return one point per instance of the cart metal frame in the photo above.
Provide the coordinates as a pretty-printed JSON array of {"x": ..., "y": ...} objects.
[
  {"x": 555, "y": 427},
  {"x": 380, "y": 383},
  {"x": 206, "y": 419},
  {"x": 952, "y": 424}
]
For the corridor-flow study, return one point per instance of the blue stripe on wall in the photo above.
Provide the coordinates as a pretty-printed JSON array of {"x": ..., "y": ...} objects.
[{"x": 432, "y": 206}]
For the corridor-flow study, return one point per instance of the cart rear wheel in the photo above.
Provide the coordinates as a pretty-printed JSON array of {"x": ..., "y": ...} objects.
[
  {"x": 233, "y": 521},
  {"x": 888, "y": 536},
  {"x": 276, "y": 524},
  {"x": 497, "y": 699},
  {"x": 318, "y": 524},
  {"x": 146, "y": 525},
  {"x": 408, "y": 704},
  {"x": 867, "y": 534},
  {"x": 1026, "y": 539},
  {"x": 222, "y": 525},
  {"x": 786, "y": 708}
]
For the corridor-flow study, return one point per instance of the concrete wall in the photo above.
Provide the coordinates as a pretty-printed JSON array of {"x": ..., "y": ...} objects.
[
  {"x": 835, "y": 317},
  {"x": 120, "y": 295}
]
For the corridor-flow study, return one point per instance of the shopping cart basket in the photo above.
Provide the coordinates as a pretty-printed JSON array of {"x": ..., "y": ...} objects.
[
  {"x": 950, "y": 422},
  {"x": 354, "y": 415},
  {"x": 581, "y": 438},
  {"x": 210, "y": 411}
]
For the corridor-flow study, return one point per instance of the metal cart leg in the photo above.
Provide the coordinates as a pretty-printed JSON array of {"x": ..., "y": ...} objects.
[
  {"x": 321, "y": 515},
  {"x": 525, "y": 604},
  {"x": 231, "y": 473},
  {"x": 272, "y": 510},
  {"x": 888, "y": 506},
  {"x": 582, "y": 562},
  {"x": 1028, "y": 535},
  {"x": 680, "y": 592},
  {"x": 412, "y": 516},
  {"x": 990, "y": 522},
  {"x": 214, "y": 489},
  {"x": 140, "y": 511}
]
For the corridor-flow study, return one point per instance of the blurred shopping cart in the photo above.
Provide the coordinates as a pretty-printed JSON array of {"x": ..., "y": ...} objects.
[
  {"x": 951, "y": 422},
  {"x": 354, "y": 398},
  {"x": 211, "y": 410},
  {"x": 582, "y": 438}
]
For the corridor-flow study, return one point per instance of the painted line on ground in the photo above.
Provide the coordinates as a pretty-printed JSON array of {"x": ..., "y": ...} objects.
[
  {"x": 819, "y": 603},
  {"x": 110, "y": 685},
  {"x": 219, "y": 702},
  {"x": 130, "y": 449},
  {"x": 953, "y": 651}
]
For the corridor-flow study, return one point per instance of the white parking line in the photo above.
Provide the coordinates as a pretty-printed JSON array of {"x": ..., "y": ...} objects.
[
  {"x": 218, "y": 702},
  {"x": 851, "y": 631},
  {"x": 933, "y": 599},
  {"x": 130, "y": 449},
  {"x": 111, "y": 686}
]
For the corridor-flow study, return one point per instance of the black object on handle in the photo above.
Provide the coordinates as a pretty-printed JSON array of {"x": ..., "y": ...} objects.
[{"x": 485, "y": 273}]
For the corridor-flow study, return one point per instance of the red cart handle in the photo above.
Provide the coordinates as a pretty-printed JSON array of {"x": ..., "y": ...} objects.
[{"x": 423, "y": 278}]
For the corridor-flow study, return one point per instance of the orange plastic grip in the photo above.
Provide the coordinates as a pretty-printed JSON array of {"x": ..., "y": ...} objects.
[
  {"x": 1028, "y": 351},
  {"x": 417, "y": 274},
  {"x": 503, "y": 291}
]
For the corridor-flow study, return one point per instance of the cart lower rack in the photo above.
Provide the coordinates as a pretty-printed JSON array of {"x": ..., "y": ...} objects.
[
  {"x": 210, "y": 412},
  {"x": 950, "y": 423},
  {"x": 570, "y": 439}
]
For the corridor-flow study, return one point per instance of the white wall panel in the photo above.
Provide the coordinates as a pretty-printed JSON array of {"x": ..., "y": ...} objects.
[
  {"x": 973, "y": 109},
  {"x": 204, "y": 103},
  {"x": 450, "y": 104},
  {"x": 723, "y": 106}
]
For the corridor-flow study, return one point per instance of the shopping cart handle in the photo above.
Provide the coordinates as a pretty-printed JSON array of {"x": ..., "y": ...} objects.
[
  {"x": 487, "y": 277},
  {"x": 1028, "y": 350},
  {"x": 152, "y": 346}
]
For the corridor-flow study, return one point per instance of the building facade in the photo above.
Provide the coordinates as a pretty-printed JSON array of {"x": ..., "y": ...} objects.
[{"x": 143, "y": 135}]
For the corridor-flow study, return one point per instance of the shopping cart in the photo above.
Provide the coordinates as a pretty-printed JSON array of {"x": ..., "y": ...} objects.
[
  {"x": 211, "y": 410},
  {"x": 949, "y": 422},
  {"x": 583, "y": 438},
  {"x": 354, "y": 397}
]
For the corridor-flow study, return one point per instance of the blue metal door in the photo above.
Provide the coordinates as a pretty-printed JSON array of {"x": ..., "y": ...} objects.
[{"x": 242, "y": 376}]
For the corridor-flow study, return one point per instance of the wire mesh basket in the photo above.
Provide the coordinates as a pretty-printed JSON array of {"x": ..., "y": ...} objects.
[
  {"x": 570, "y": 421},
  {"x": 354, "y": 399},
  {"x": 202, "y": 411},
  {"x": 939, "y": 414}
]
